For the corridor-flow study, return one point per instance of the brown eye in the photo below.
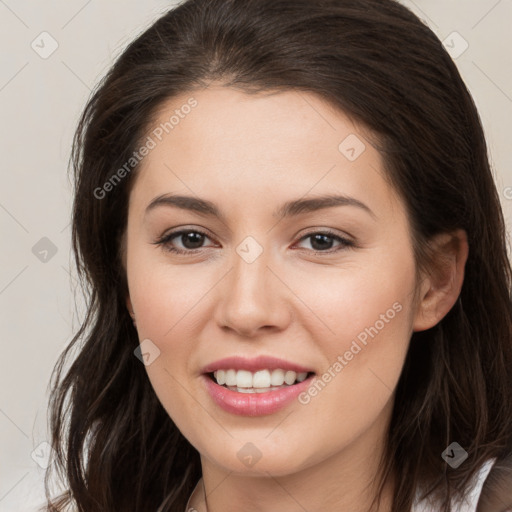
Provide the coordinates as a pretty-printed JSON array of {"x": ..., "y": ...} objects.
[
  {"x": 323, "y": 241},
  {"x": 191, "y": 240}
]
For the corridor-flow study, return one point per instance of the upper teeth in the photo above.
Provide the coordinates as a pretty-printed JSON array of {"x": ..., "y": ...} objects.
[{"x": 259, "y": 379}]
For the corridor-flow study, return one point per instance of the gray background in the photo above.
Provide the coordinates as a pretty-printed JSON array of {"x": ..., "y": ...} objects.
[{"x": 41, "y": 97}]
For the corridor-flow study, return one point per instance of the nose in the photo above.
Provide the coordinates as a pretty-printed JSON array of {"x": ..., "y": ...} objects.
[{"x": 253, "y": 299}]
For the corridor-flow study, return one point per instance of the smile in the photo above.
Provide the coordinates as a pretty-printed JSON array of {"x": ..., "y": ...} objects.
[{"x": 254, "y": 386}]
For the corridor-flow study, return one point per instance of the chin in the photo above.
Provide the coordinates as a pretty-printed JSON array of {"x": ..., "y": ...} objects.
[{"x": 260, "y": 458}]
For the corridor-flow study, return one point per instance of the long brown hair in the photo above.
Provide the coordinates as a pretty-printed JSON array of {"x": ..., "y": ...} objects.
[{"x": 114, "y": 444}]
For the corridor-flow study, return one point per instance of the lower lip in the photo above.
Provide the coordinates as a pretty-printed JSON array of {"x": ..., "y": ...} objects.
[{"x": 254, "y": 404}]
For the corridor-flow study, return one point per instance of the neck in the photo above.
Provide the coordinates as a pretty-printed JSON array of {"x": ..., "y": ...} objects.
[{"x": 346, "y": 480}]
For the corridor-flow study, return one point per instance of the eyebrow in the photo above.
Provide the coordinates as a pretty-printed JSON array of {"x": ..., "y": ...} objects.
[{"x": 289, "y": 209}]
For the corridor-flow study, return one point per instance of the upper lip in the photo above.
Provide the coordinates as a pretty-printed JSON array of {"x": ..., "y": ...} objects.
[{"x": 254, "y": 364}]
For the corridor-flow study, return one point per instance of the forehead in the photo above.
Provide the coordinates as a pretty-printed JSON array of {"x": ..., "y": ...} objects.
[
  {"x": 276, "y": 126},
  {"x": 239, "y": 146}
]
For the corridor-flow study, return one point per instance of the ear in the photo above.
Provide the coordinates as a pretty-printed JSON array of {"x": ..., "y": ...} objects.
[{"x": 441, "y": 288}]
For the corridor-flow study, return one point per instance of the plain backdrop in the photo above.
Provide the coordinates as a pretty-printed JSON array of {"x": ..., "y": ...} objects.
[{"x": 53, "y": 53}]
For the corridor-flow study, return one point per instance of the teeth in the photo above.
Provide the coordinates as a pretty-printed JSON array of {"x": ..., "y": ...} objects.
[
  {"x": 245, "y": 390},
  {"x": 277, "y": 378},
  {"x": 289, "y": 377},
  {"x": 261, "y": 381},
  {"x": 231, "y": 378},
  {"x": 243, "y": 379},
  {"x": 220, "y": 375}
]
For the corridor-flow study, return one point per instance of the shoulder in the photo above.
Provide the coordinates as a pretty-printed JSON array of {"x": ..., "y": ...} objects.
[{"x": 496, "y": 495}]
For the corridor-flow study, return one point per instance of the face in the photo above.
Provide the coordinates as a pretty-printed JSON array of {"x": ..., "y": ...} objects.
[{"x": 325, "y": 287}]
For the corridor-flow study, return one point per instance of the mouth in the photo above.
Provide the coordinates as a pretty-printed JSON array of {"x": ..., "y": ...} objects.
[
  {"x": 255, "y": 386},
  {"x": 255, "y": 398},
  {"x": 261, "y": 381}
]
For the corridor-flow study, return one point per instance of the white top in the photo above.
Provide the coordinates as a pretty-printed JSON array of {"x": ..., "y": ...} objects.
[{"x": 471, "y": 502}]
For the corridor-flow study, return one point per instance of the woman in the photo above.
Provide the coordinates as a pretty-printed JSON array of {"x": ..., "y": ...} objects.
[{"x": 296, "y": 258}]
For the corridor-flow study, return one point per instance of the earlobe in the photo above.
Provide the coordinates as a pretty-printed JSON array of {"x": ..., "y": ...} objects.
[{"x": 441, "y": 288}]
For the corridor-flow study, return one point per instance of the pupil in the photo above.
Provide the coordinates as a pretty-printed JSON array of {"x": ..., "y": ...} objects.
[
  {"x": 192, "y": 238},
  {"x": 319, "y": 237}
]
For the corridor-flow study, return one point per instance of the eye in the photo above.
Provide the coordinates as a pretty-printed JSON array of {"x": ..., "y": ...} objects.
[
  {"x": 321, "y": 241},
  {"x": 191, "y": 239}
]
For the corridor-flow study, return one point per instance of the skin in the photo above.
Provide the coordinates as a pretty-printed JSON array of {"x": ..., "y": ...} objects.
[{"x": 249, "y": 154}]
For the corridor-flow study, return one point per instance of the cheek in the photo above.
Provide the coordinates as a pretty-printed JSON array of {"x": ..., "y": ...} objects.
[
  {"x": 167, "y": 301},
  {"x": 364, "y": 334},
  {"x": 173, "y": 304},
  {"x": 361, "y": 300},
  {"x": 166, "y": 297}
]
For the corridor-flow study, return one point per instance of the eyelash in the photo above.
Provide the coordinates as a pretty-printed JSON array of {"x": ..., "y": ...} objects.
[{"x": 163, "y": 241}]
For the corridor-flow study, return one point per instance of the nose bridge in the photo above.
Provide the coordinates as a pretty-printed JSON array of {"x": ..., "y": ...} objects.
[
  {"x": 250, "y": 267},
  {"x": 252, "y": 296},
  {"x": 249, "y": 280}
]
